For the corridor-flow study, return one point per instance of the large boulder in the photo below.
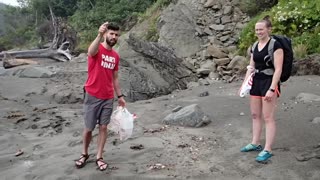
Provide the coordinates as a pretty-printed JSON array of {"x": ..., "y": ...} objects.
[
  {"x": 150, "y": 69},
  {"x": 190, "y": 116},
  {"x": 177, "y": 27},
  {"x": 307, "y": 66}
]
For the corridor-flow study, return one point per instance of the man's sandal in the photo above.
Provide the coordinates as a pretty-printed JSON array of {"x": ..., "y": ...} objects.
[
  {"x": 102, "y": 163},
  {"x": 80, "y": 163}
]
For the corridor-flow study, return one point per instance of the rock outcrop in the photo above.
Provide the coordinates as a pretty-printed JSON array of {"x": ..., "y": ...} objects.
[{"x": 196, "y": 40}]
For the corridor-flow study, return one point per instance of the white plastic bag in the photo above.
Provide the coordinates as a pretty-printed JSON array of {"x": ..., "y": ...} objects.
[
  {"x": 246, "y": 86},
  {"x": 122, "y": 123}
]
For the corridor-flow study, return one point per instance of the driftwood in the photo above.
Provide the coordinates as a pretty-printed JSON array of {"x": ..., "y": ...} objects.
[
  {"x": 10, "y": 62},
  {"x": 60, "y": 54},
  {"x": 56, "y": 51}
]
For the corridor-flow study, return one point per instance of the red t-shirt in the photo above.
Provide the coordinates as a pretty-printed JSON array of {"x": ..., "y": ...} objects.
[{"x": 100, "y": 73}]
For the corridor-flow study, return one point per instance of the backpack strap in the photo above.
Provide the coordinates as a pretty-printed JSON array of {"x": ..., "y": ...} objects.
[
  {"x": 270, "y": 49},
  {"x": 254, "y": 46}
]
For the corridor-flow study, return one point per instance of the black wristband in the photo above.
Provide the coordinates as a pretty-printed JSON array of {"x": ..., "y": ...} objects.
[
  {"x": 272, "y": 90},
  {"x": 120, "y": 96}
]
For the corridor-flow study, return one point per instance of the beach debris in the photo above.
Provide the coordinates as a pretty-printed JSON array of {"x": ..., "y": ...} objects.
[
  {"x": 18, "y": 153},
  {"x": 137, "y": 147},
  {"x": 183, "y": 145},
  {"x": 203, "y": 94},
  {"x": 176, "y": 109},
  {"x": 14, "y": 114},
  {"x": 157, "y": 166},
  {"x": 196, "y": 138},
  {"x": 163, "y": 128}
]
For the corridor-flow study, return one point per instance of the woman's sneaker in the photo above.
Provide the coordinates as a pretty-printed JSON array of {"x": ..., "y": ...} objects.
[
  {"x": 263, "y": 156},
  {"x": 251, "y": 147}
]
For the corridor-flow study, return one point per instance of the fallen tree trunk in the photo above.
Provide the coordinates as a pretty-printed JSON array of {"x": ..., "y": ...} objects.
[
  {"x": 10, "y": 62},
  {"x": 62, "y": 54}
]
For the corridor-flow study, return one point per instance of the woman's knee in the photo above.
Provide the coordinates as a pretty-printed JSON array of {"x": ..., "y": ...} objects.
[
  {"x": 255, "y": 116},
  {"x": 268, "y": 118}
]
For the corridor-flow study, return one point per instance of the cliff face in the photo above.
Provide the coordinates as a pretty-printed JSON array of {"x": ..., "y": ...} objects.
[{"x": 191, "y": 34}]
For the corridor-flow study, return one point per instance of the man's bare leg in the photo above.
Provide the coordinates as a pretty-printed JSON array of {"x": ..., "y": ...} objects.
[
  {"x": 102, "y": 137},
  {"x": 86, "y": 137}
]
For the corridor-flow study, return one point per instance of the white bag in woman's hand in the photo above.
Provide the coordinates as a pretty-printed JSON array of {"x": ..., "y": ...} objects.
[
  {"x": 122, "y": 122},
  {"x": 246, "y": 86}
]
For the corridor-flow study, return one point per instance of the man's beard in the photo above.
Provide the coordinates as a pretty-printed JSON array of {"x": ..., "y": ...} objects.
[{"x": 111, "y": 43}]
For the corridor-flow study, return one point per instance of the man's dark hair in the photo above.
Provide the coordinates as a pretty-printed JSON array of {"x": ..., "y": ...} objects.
[{"x": 113, "y": 26}]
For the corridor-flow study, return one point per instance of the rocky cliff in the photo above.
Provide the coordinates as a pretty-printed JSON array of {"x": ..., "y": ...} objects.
[{"x": 196, "y": 40}]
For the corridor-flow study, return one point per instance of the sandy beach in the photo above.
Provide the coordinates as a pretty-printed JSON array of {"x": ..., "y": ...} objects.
[{"x": 42, "y": 117}]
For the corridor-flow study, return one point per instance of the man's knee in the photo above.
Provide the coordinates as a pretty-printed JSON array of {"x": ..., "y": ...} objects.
[{"x": 103, "y": 127}]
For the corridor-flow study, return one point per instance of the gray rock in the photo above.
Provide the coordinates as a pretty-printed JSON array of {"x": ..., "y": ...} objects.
[
  {"x": 208, "y": 31},
  {"x": 190, "y": 116},
  {"x": 217, "y": 27},
  {"x": 222, "y": 61},
  {"x": 307, "y": 97},
  {"x": 227, "y": 10},
  {"x": 214, "y": 75},
  {"x": 217, "y": 7},
  {"x": 225, "y": 19},
  {"x": 203, "y": 71},
  {"x": 81, "y": 58},
  {"x": 237, "y": 62},
  {"x": 209, "y": 3},
  {"x": 35, "y": 72},
  {"x": 191, "y": 85},
  {"x": 177, "y": 28},
  {"x": 215, "y": 52},
  {"x": 316, "y": 120},
  {"x": 204, "y": 82},
  {"x": 224, "y": 38}
]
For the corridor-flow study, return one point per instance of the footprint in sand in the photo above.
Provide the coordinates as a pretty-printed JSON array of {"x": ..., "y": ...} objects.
[
  {"x": 37, "y": 147},
  {"x": 306, "y": 156},
  {"x": 74, "y": 143}
]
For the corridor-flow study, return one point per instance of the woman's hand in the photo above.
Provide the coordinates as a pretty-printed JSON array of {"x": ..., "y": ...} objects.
[{"x": 269, "y": 96}]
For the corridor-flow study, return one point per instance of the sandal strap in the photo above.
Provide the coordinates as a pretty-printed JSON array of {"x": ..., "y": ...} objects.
[
  {"x": 102, "y": 162},
  {"x": 84, "y": 156}
]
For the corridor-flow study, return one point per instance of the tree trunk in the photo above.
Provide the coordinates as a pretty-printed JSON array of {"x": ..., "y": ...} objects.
[{"x": 62, "y": 54}]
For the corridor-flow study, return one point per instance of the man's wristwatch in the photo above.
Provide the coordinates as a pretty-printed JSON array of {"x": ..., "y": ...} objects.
[
  {"x": 120, "y": 96},
  {"x": 272, "y": 90}
]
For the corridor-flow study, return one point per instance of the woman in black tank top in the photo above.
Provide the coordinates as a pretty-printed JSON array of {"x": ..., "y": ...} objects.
[{"x": 264, "y": 91}]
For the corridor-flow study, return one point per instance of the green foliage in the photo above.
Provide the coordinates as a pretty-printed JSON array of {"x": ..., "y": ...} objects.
[
  {"x": 294, "y": 18},
  {"x": 254, "y": 7},
  {"x": 91, "y": 14},
  {"x": 18, "y": 30},
  {"x": 158, "y": 5},
  {"x": 152, "y": 33},
  {"x": 300, "y": 51},
  {"x": 310, "y": 39},
  {"x": 84, "y": 15}
]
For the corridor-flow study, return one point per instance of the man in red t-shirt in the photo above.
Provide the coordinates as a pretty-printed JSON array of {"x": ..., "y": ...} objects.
[{"x": 103, "y": 65}]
